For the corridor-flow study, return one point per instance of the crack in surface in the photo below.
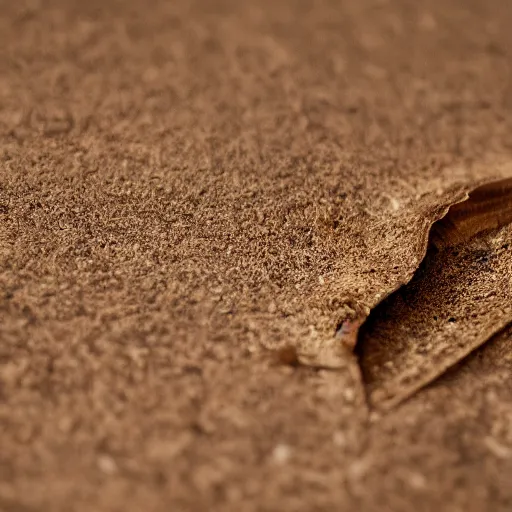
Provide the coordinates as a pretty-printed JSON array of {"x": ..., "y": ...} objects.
[{"x": 457, "y": 299}]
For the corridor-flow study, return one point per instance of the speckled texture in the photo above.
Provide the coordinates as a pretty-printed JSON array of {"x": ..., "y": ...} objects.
[{"x": 185, "y": 185}]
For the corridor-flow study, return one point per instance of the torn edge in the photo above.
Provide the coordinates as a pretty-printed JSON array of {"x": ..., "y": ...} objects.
[
  {"x": 487, "y": 207},
  {"x": 492, "y": 193}
]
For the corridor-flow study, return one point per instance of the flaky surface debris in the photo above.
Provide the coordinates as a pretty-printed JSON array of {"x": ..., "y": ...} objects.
[
  {"x": 487, "y": 209},
  {"x": 185, "y": 185}
]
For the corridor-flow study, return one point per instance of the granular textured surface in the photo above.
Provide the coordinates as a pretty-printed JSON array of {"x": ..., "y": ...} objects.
[{"x": 187, "y": 184}]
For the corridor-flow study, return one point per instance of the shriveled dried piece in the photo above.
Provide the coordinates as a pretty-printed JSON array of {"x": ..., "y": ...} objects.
[
  {"x": 457, "y": 300},
  {"x": 488, "y": 207}
]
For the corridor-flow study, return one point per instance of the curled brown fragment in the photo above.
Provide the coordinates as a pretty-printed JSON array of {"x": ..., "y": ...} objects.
[{"x": 488, "y": 207}]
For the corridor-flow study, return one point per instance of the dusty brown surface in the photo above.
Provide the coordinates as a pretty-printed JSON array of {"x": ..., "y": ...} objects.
[{"x": 186, "y": 184}]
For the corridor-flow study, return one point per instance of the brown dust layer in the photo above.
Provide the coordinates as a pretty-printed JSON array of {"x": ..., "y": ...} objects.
[{"x": 187, "y": 184}]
